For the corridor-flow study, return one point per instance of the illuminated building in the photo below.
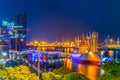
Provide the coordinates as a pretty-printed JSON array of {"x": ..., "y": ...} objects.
[
  {"x": 4, "y": 35},
  {"x": 94, "y": 42},
  {"x": 4, "y": 50},
  {"x": 111, "y": 43},
  {"x": 14, "y": 32},
  {"x": 84, "y": 44},
  {"x": 77, "y": 42},
  {"x": 87, "y": 43},
  {"x": 18, "y": 41},
  {"x": 84, "y": 48},
  {"x": 83, "y": 40}
]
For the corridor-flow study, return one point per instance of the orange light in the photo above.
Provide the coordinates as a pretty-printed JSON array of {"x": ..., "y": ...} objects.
[
  {"x": 90, "y": 53},
  {"x": 36, "y": 42}
]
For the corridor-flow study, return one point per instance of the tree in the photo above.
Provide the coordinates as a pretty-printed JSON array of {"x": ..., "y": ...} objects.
[
  {"x": 63, "y": 73},
  {"x": 112, "y": 71},
  {"x": 2, "y": 66},
  {"x": 63, "y": 70},
  {"x": 112, "y": 68},
  {"x": 18, "y": 73},
  {"x": 109, "y": 66},
  {"x": 50, "y": 76},
  {"x": 75, "y": 76},
  {"x": 107, "y": 76}
]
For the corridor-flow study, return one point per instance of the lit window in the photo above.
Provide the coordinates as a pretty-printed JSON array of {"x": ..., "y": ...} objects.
[{"x": 22, "y": 40}]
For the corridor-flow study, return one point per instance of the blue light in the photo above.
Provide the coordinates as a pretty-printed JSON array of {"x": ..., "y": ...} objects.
[
  {"x": 5, "y": 23},
  {"x": 107, "y": 59},
  {"x": 11, "y": 28},
  {"x": 76, "y": 55}
]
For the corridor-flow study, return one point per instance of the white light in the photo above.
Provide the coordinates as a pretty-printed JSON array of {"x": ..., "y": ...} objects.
[
  {"x": 90, "y": 53},
  {"x": 22, "y": 40},
  {"x": 4, "y": 54},
  {"x": 102, "y": 52}
]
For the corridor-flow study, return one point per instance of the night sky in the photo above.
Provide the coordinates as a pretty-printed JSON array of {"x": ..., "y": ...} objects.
[{"x": 57, "y": 19}]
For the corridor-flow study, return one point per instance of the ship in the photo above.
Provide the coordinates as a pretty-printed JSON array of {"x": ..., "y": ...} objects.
[{"x": 85, "y": 58}]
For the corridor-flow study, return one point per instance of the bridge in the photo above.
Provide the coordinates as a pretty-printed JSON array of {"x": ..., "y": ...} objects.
[
  {"x": 49, "y": 53},
  {"x": 114, "y": 47},
  {"x": 90, "y": 56}
]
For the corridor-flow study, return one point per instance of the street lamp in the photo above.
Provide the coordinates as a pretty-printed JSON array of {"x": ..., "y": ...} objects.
[
  {"x": 16, "y": 31},
  {"x": 36, "y": 43},
  {"x": 38, "y": 61}
]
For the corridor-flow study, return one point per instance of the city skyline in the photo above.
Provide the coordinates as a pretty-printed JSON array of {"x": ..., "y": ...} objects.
[{"x": 53, "y": 20}]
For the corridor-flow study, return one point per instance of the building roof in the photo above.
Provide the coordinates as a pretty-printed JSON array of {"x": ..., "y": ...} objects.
[{"x": 3, "y": 42}]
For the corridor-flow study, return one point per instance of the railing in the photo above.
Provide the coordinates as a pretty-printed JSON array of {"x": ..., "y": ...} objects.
[{"x": 33, "y": 66}]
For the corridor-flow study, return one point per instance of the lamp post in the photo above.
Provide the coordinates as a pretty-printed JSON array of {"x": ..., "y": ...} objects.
[
  {"x": 38, "y": 61},
  {"x": 15, "y": 43}
]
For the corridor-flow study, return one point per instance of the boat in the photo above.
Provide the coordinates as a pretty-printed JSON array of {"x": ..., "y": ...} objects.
[{"x": 85, "y": 58}]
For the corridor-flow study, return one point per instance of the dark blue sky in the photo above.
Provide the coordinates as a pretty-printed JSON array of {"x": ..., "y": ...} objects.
[{"x": 54, "y": 19}]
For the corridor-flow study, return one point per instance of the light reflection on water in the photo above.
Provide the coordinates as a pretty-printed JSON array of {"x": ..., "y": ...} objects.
[{"x": 91, "y": 71}]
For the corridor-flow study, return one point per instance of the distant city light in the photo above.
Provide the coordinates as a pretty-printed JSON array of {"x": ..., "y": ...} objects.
[{"x": 22, "y": 39}]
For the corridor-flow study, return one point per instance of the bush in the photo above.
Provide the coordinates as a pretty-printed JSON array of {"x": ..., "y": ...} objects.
[
  {"x": 63, "y": 73},
  {"x": 75, "y": 76},
  {"x": 108, "y": 77},
  {"x": 50, "y": 76},
  {"x": 63, "y": 70},
  {"x": 18, "y": 73},
  {"x": 110, "y": 66},
  {"x": 2, "y": 66},
  {"x": 112, "y": 71}
]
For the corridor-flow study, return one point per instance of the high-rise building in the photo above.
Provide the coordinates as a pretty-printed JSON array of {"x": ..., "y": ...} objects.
[
  {"x": 18, "y": 41},
  {"x": 94, "y": 42}
]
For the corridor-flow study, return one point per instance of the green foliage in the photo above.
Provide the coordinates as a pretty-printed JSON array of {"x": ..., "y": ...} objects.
[
  {"x": 63, "y": 73},
  {"x": 2, "y": 66},
  {"x": 112, "y": 71},
  {"x": 82, "y": 77},
  {"x": 50, "y": 76},
  {"x": 63, "y": 70},
  {"x": 17, "y": 73},
  {"x": 107, "y": 76},
  {"x": 118, "y": 61},
  {"x": 75, "y": 76},
  {"x": 110, "y": 66}
]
